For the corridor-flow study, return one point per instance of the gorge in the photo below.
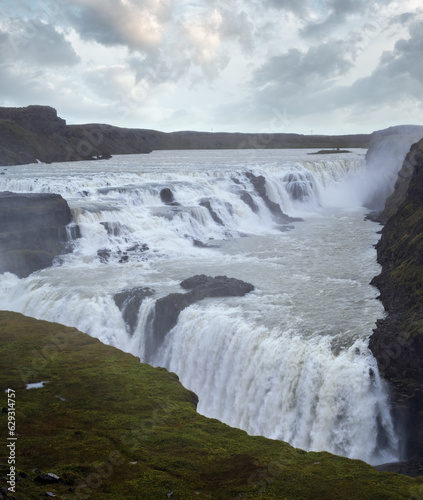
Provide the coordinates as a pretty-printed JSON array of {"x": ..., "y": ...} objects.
[{"x": 288, "y": 360}]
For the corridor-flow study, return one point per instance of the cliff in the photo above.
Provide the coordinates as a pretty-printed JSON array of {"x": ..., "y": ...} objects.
[
  {"x": 104, "y": 426},
  {"x": 383, "y": 161},
  {"x": 397, "y": 342},
  {"x": 32, "y": 231},
  {"x": 37, "y": 133}
]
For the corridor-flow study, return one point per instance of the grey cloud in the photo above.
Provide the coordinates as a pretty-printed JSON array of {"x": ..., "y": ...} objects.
[
  {"x": 338, "y": 12},
  {"x": 94, "y": 25},
  {"x": 108, "y": 83},
  {"x": 399, "y": 74},
  {"x": 36, "y": 43},
  {"x": 302, "y": 86},
  {"x": 292, "y": 85},
  {"x": 237, "y": 25},
  {"x": 299, "y": 7},
  {"x": 160, "y": 68},
  {"x": 297, "y": 70},
  {"x": 137, "y": 25}
]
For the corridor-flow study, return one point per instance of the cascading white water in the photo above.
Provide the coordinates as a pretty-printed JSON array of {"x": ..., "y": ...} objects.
[{"x": 290, "y": 360}]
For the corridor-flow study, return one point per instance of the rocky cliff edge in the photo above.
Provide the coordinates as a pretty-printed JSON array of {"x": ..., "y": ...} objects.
[{"x": 397, "y": 342}]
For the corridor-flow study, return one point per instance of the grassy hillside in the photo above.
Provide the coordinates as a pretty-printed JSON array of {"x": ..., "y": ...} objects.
[{"x": 113, "y": 428}]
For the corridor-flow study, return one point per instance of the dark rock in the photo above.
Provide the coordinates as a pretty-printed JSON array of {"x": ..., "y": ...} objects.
[
  {"x": 37, "y": 133},
  {"x": 113, "y": 228},
  {"x": 259, "y": 183},
  {"x": 412, "y": 467},
  {"x": 32, "y": 231},
  {"x": 167, "y": 197},
  {"x": 397, "y": 341},
  {"x": 199, "y": 244},
  {"x": 197, "y": 280},
  {"x": 138, "y": 248},
  {"x": 47, "y": 478},
  {"x": 41, "y": 119},
  {"x": 129, "y": 302},
  {"x": 206, "y": 204},
  {"x": 384, "y": 159},
  {"x": 248, "y": 200},
  {"x": 4, "y": 410},
  {"x": 123, "y": 259},
  {"x": 104, "y": 255},
  {"x": 167, "y": 309},
  {"x": 405, "y": 174}
]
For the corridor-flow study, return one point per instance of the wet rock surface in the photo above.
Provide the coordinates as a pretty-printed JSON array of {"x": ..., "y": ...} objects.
[
  {"x": 129, "y": 302},
  {"x": 32, "y": 231},
  {"x": 259, "y": 183},
  {"x": 167, "y": 309}
]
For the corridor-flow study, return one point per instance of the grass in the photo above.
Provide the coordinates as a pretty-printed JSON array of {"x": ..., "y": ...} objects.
[{"x": 113, "y": 428}]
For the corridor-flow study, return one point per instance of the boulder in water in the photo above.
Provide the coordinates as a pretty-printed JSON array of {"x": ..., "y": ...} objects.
[
  {"x": 32, "y": 231},
  {"x": 167, "y": 197},
  {"x": 167, "y": 309}
]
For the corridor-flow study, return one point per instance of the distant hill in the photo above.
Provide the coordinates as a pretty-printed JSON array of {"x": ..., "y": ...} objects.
[{"x": 37, "y": 133}]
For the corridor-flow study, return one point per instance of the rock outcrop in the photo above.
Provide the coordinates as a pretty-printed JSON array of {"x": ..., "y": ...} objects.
[
  {"x": 129, "y": 302},
  {"x": 402, "y": 183},
  {"x": 259, "y": 183},
  {"x": 167, "y": 308},
  {"x": 383, "y": 161},
  {"x": 397, "y": 342},
  {"x": 32, "y": 231}
]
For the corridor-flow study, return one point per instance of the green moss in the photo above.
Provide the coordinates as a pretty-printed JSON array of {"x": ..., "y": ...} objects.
[{"x": 112, "y": 427}]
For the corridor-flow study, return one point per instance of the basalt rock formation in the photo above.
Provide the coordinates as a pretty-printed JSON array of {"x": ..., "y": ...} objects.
[
  {"x": 32, "y": 231},
  {"x": 259, "y": 183},
  {"x": 129, "y": 302},
  {"x": 167, "y": 308},
  {"x": 397, "y": 342}
]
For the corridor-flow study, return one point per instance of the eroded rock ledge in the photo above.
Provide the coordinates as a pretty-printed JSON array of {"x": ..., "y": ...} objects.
[
  {"x": 167, "y": 308},
  {"x": 32, "y": 231}
]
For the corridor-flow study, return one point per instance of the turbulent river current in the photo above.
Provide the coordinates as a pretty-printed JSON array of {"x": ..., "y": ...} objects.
[{"x": 290, "y": 360}]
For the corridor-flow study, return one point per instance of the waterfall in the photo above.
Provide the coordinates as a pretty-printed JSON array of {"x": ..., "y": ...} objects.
[{"x": 288, "y": 361}]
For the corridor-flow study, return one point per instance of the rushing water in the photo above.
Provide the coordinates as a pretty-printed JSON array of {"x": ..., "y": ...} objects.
[{"x": 290, "y": 360}]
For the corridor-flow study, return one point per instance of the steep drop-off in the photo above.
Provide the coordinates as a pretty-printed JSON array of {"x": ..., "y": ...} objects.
[
  {"x": 105, "y": 426},
  {"x": 397, "y": 342}
]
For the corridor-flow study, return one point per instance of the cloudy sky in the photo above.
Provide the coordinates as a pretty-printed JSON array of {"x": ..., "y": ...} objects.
[{"x": 304, "y": 66}]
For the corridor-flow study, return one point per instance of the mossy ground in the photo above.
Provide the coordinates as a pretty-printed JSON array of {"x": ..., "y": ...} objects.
[{"x": 113, "y": 428}]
